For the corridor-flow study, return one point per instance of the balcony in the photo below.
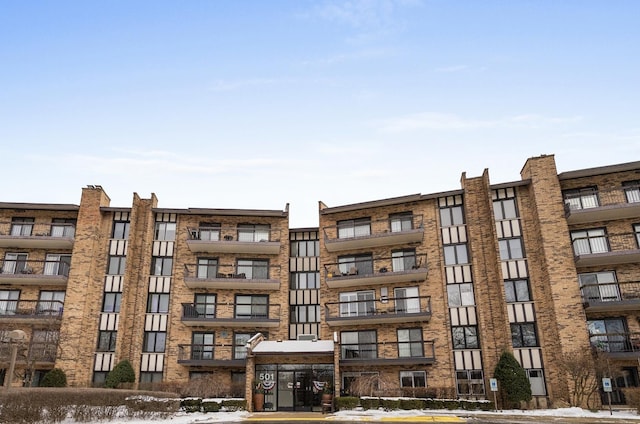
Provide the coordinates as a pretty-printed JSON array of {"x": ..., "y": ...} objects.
[
  {"x": 200, "y": 355},
  {"x": 231, "y": 315},
  {"x": 32, "y": 272},
  {"x": 602, "y": 205},
  {"x": 390, "y": 353},
  {"x": 611, "y": 297},
  {"x": 617, "y": 345},
  {"x": 378, "y": 311},
  {"x": 233, "y": 240},
  {"x": 383, "y": 232},
  {"x": 40, "y": 354},
  {"x": 605, "y": 249},
  {"x": 388, "y": 270},
  {"x": 230, "y": 277},
  {"x": 31, "y": 311},
  {"x": 31, "y": 235}
]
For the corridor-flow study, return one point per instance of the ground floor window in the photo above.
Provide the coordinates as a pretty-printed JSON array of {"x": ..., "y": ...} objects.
[
  {"x": 99, "y": 378},
  {"x": 413, "y": 379},
  {"x": 470, "y": 382},
  {"x": 238, "y": 382},
  {"x": 150, "y": 377},
  {"x": 359, "y": 383},
  {"x": 536, "y": 378}
]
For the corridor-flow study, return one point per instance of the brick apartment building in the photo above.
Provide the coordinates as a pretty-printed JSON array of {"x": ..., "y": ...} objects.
[{"x": 419, "y": 290}]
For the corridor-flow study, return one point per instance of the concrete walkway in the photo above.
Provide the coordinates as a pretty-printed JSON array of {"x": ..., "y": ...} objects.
[{"x": 317, "y": 416}]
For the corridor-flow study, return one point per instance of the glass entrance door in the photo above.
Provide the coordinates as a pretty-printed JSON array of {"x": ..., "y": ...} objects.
[{"x": 294, "y": 391}]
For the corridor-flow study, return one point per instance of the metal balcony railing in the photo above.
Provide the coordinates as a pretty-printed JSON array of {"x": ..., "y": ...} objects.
[
  {"x": 210, "y": 354},
  {"x": 359, "y": 234},
  {"x": 35, "y": 267},
  {"x": 605, "y": 243},
  {"x": 403, "y": 352},
  {"x": 230, "y": 311},
  {"x": 588, "y": 199},
  {"x": 363, "y": 310},
  {"x": 226, "y": 271},
  {"x": 368, "y": 266},
  {"x": 232, "y": 233},
  {"x": 30, "y": 352},
  {"x": 611, "y": 292},
  {"x": 37, "y": 229},
  {"x": 616, "y": 343},
  {"x": 31, "y": 309}
]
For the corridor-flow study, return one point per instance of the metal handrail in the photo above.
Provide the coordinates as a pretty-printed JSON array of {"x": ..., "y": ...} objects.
[
  {"x": 232, "y": 233},
  {"x": 367, "y": 265},
  {"x": 386, "y": 350},
  {"x": 32, "y": 266},
  {"x": 376, "y": 227},
  {"x": 377, "y": 307},
  {"x": 225, "y": 271}
]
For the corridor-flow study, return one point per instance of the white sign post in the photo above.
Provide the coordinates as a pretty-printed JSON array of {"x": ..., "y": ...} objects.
[
  {"x": 493, "y": 383},
  {"x": 606, "y": 386}
]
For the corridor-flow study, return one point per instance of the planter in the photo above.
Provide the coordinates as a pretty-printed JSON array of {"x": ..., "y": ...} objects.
[{"x": 258, "y": 402}]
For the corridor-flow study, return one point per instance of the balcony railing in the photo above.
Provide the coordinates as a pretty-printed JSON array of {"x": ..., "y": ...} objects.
[
  {"x": 371, "y": 311},
  {"x": 32, "y": 235},
  {"x": 30, "y": 310},
  {"x": 38, "y": 352},
  {"x": 366, "y": 270},
  {"x": 617, "y": 345},
  {"x": 232, "y": 277},
  {"x": 231, "y": 315},
  {"x": 381, "y": 232},
  {"x": 620, "y": 296},
  {"x": 388, "y": 353},
  {"x": 233, "y": 240},
  {"x": 602, "y": 205},
  {"x": 210, "y": 355},
  {"x": 606, "y": 249},
  {"x": 29, "y": 271}
]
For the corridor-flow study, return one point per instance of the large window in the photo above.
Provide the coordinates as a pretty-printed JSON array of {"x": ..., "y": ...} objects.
[
  {"x": 511, "y": 249},
  {"x": 401, "y": 222},
  {"x": 158, "y": 303},
  {"x": 403, "y": 260},
  {"x": 120, "y": 230},
  {"x": 505, "y": 209},
  {"x": 358, "y": 344},
  {"x": 161, "y": 265},
  {"x": 107, "y": 341},
  {"x": 523, "y": 334},
  {"x": 460, "y": 295},
  {"x": 356, "y": 265},
  {"x": 150, "y": 376},
  {"x": 15, "y": 263},
  {"x": 205, "y": 305},
  {"x": 470, "y": 382},
  {"x": 207, "y": 268},
  {"x": 589, "y": 241},
  {"x": 413, "y": 379},
  {"x": 202, "y": 344},
  {"x": 465, "y": 337},
  {"x": 154, "y": 341},
  {"x": 63, "y": 227},
  {"x": 305, "y": 280},
  {"x": 116, "y": 265},
  {"x": 111, "y": 302},
  {"x": 410, "y": 343},
  {"x": 252, "y": 306},
  {"x": 358, "y": 303},
  {"x": 407, "y": 300},
  {"x": 9, "y": 301},
  {"x": 599, "y": 286},
  {"x": 165, "y": 231},
  {"x": 636, "y": 230},
  {"x": 350, "y": 228},
  {"x": 581, "y": 198},
  {"x": 456, "y": 254},
  {"x": 240, "y": 343},
  {"x": 22, "y": 226},
  {"x": 51, "y": 302},
  {"x": 256, "y": 269},
  {"x": 608, "y": 334},
  {"x": 57, "y": 264},
  {"x": 304, "y": 313},
  {"x": 517, "y": 291},
  {"x": 253, "y": 232},
  {"x": 209, "y": 232},
  {"x": 632, "y": 191},
  {"x": 451, "y": 216},
  {"x": 305, "y": 248}
]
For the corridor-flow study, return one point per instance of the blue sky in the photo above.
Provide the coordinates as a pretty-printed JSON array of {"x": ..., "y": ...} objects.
[{"x": 255, "y": 104}]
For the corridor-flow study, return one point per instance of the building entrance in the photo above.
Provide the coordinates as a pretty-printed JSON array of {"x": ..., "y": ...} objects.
[{"x": 297, "y": 387}]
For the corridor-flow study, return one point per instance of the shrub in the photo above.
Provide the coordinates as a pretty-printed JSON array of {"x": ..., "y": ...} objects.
[
  {"x": 346, "y": 402},
  {"x": 412, "y": 404},
  {"x": 390, "y": 404},
  {"x": 54, "y": 378},
  {"x": 121, "y": 373},
  {"x": 369, "y": 403},
  {"x": 234, "y": 404},
  {"x": 632, "y": 395},
  {"x": 191, "y": 404},
  {"x": 210, "y": 406},
  {"x": 515, "y": 387}
]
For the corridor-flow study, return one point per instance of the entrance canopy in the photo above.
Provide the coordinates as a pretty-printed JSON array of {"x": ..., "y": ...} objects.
[{"x": 288, "y": 347}]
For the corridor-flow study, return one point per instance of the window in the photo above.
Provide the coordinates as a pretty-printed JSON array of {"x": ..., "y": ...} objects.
[
  {"x": 511, "y": 249},
  {"x": 305, "y": 248},
  {"x": 120, "y": 230},
  {"x": 305, "y": 280},
  {"x": 581, "y": 198},
  {"x": 240, "y": 343},
  {"x": 451, "y": 216},
  {"x": 111, "y": 302},
  {"x": 470, "y": 382},
  {"x": 359, "y": 303},
  {"x": 403, "y": 260},
  {"x": 209, "y": 232},
  {"x": 51, "y": 302},
  {"x": 632, "y": 191},
  {"x": 150, "y": 377},
  {"x": 636, "y": 229},
  {"x": 256, "y": 269},
  {"x": 517, "y": 291},
  {"x": 161, "y": 265},
  {"x": 207, "y": 268},
  {"x": 608, "y": 334},
  {"x": 524, "y": 334},
  {"x": 410, "y": 343},
  {"x": 505, "y": 209},
  {"x": 202, "y": 346},
  {"x": 350, "y": 377},
  {"x": 154, "y": 341},
  {"x": 9, "y": 301},
  {"x": 413, "y": 379},
  {"x": 56, "y": 264},
  {"x": 253, "y": 232},
  {"x": 465, "y": 337},
  {"x": 15, "y": 263},
  {"x": 22, "y": 226},
  {"x": 252, "y": 306},
  {"x": 165, "y": 231},
  {"x": 536, "y": 379},
  {"x": 401, "y": 222},
  {"x": 599, "y": 286},
  {"x": 205, "y": 305},
  {"x": 63, "y": 227},
  {"x": 455, "y": 254},
  {"x": 99, "y": 378},
  {"x": 304, "y": 313},
  {"x": 407, "y": 300},
  {"x": 589, "y": 241},
  {"x": 358, "y": 344},
  {"x": 460, "y": 295},
  {"x": 356, "y": 265},
  {"x": 107, "y": 341},
  {"x": 350, "y": 228},
  {"x": 158, "y": 303},
  {"x": 116, "y": 265}
]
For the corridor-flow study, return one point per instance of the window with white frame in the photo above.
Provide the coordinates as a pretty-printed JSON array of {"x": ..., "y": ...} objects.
[
  {"x": 407, "y": 300},
  {"x": 632, "y": 191},
  {"x": 589, "y": 241},
  {"x": 22, "y": 226},
  {"x": 253, "y": 232},
  {"x": 460, "y": 295},
  {"x": 63, "y": 227},
  {"x": 9, "y": 301},
  {"x": 410, "y": 343},
  {"x": 15, "y": 263},
  {"x": 165, "y": 231},
  {"x": 57, "y": 264},
  {"x": 207, "y": 268},
  {"x": 581, "y": 198},
  {"x": 256, "y": 269},
  {"x": 401, "y": 222},
  {"x": 413, "y": 379},
  {"x": 403, "y": 260},
  {"x": 536, "y": 379},
  {"x": 51, "y": 302},
  {"x": 358, "y": 303},
  {"x": 350, "y": 228},
  {"x": 209, "y": 232}
]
